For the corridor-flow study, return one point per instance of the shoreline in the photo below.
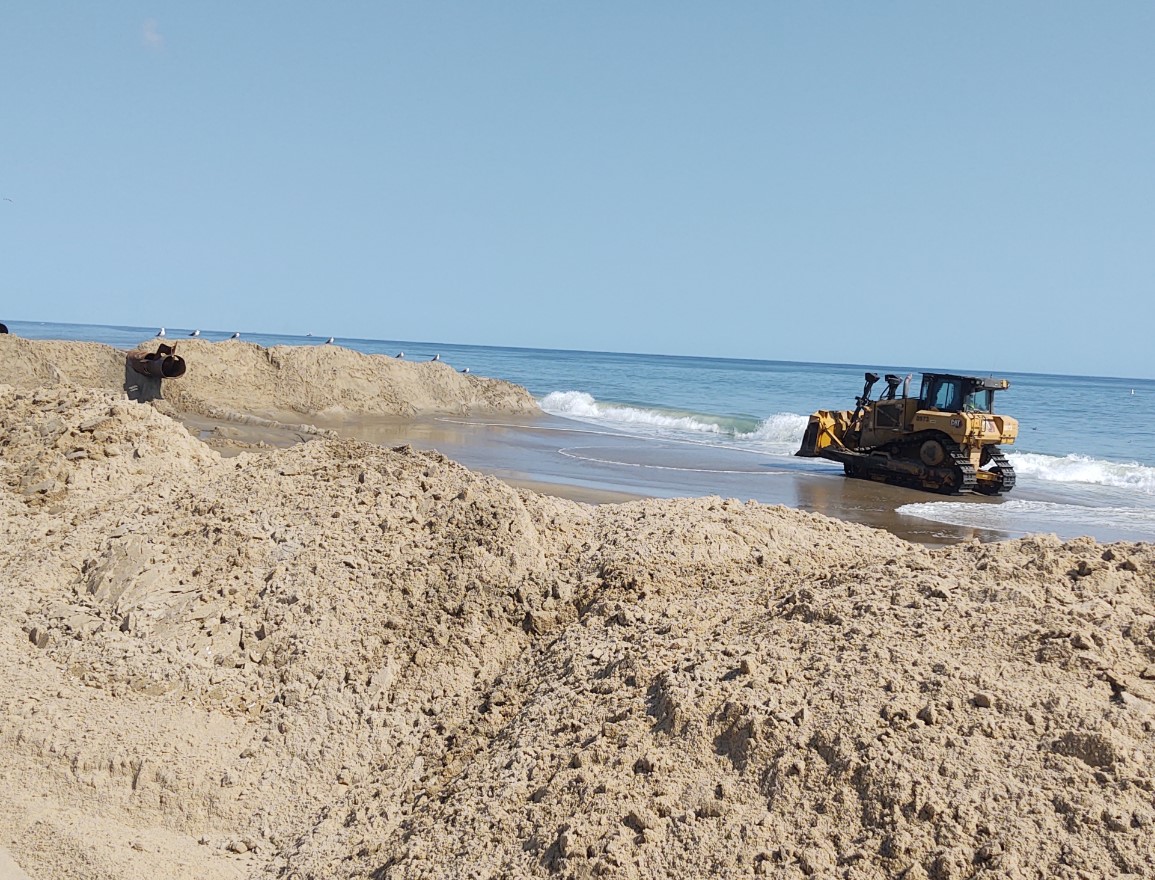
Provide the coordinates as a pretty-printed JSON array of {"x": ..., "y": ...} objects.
[
  {"x": 242, "y": 397},
  {"x": 567, "y": 459},
  {"x": 573, "y": 460}
]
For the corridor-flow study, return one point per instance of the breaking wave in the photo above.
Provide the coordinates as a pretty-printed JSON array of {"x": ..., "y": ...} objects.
[
  {"x": 778, "y": 433},
  {"x": 583, "y": 406},
  {"x": 781, "y": 428},
  {"x": 1083, "y": 469}
]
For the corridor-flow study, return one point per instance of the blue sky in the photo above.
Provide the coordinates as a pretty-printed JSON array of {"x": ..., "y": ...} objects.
[{"x": 873, "y": 183}]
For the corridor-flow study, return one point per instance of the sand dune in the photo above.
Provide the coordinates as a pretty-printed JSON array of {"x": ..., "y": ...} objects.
[
  {"x": 339, "y": 660},
  {"x": 245, "y": 379}
]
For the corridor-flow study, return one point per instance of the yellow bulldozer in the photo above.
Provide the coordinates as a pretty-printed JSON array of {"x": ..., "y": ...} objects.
[{"x": 944, "y": 440}]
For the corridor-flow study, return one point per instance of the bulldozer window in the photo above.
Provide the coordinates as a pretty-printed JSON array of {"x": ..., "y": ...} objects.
[
  {"x": 944, "y": 395},
  {"x": 979, "y": 401}
]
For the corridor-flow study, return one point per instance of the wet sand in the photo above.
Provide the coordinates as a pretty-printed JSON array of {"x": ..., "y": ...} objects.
[{"x": 563, "y": 458}]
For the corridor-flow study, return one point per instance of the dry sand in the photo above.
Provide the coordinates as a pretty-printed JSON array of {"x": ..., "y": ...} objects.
[
  {"x": 237, "y": 393},
  {"x": 340, "y": 660}
]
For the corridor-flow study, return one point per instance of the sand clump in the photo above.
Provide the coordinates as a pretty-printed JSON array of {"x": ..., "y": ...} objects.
[{"x": 340, "y": 660}]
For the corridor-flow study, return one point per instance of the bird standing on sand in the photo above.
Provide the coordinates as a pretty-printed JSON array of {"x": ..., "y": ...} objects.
[
  {"x": 235, "y": 336},
  {"x": 435, "y": 357},
  {"x": 400, "y": 354},
  {"x": 465, "y": 369},
  {"x": 160, "y": 332},
  {"x": 195, "y": 333},
  {"x": 329, "y": 341}
]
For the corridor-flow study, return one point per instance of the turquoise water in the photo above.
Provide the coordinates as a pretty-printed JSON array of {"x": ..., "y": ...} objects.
[{"x": 1085, "y": 455}]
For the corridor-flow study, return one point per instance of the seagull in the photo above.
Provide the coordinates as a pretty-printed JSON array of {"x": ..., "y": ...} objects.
[
  {"x": 195, "y": 333},
  {"x": 160, "y": 332},
  {"x": 400, "y": 354},
  {"x": 465, "y": 370},
  {"x": 436, "y": 357},
  {"x": 329, "y": 341},
  {"x": 235, "y": 336}
]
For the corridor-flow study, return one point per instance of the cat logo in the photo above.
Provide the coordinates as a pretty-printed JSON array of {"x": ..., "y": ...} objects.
[{"x": 956, "y": 423}]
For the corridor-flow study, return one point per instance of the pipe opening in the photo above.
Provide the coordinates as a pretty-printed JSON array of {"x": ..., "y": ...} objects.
[{"x": 163, "y": 363}]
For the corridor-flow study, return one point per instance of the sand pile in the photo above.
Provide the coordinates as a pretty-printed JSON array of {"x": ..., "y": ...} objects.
[
  {"x": 30, "y": 363},
  {"x": 338, "y": 660},
  {"x": 241, "y": 381},
  {"x": 329, "y": 381}
]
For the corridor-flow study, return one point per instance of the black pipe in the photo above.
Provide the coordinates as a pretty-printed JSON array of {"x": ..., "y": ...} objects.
[{"x": 163, "y": 363}]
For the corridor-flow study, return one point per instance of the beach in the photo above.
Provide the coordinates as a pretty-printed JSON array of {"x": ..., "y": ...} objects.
[
  {"x": 307, "y": 612},
  {"x": 618, "y": 425},
  {"x": 570, "y": 460}
]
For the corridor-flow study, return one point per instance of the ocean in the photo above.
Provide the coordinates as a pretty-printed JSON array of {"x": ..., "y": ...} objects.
[{"x": 669, "y": 426}]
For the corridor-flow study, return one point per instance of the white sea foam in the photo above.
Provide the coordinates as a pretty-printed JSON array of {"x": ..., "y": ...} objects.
[
  {"x": 580, "y": 405},
  {"x": 1020, "y": 515},
  {"x": 781, "y": 427},
  {"x": 1082, "y": 469},
  {"x": 778, "y": 434}
]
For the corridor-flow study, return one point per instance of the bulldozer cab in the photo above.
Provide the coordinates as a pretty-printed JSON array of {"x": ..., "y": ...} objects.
[{"x": 949, "y": 393}]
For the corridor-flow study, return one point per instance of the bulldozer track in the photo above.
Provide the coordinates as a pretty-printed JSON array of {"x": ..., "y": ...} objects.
[
  {"x": 963, "y": 467},
  {"x": 1006, "y": 472},
  {"x": 899, "y": 465}
]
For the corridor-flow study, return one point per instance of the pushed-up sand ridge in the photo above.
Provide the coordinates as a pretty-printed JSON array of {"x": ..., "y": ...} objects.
[
  {"x": 339, "y": 660},
  {"x": 242, "y": 379}
]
